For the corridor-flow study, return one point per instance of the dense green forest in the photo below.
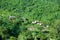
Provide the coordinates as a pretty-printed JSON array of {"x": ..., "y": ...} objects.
[{"x": 29, "y": 19}]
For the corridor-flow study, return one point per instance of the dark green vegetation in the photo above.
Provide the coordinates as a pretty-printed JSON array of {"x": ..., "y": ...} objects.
[{"x": 16, "y": 18}]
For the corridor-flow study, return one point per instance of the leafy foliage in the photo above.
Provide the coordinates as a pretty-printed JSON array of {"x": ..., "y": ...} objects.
[{"x": 23, "y": 13}]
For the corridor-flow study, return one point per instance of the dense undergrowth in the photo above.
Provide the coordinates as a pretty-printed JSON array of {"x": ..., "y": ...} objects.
[{"x": 16, "y": 17}]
